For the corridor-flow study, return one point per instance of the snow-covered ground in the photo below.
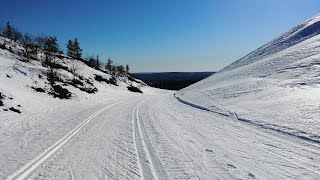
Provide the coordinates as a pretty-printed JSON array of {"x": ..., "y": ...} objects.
[
  {"x": 157, "y": 137},
  {"x": 43, "y": 119},
  {"x": 256, "y": 119},
  {"x": 277, "y": 86}
]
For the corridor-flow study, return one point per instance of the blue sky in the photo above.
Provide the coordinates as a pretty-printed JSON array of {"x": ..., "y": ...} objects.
[{"x": 161, "y": 35}]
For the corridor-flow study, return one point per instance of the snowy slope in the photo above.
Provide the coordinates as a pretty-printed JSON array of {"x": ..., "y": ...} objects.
[
  {"x": 117, "y": 134},
  {"x": 256, "y": 119},
  {"x": 295, "y": 36},
  {"x": 45, "y": 119},
  {"x": 20, "y": 79},
  {"x": 277, "y": 86}
]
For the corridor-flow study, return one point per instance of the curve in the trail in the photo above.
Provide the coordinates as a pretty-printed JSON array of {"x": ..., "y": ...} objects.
[{"x": 29, "y": 168}]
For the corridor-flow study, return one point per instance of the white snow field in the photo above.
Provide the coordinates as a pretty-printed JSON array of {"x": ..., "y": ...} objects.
[
  {"x": 256, "y": 119},
  {"x": 276, "y": 87}
]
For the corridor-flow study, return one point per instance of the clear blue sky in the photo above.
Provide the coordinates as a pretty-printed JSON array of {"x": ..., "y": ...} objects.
[{"x": 161, "y": 35}]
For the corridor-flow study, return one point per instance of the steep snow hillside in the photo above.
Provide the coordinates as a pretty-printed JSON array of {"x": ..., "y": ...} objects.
[
  {"x": 295, "y": 36},
  {"x": 276, "y": 86}
]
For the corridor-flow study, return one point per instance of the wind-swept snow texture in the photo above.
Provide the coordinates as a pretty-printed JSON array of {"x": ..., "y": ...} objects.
[{"x": 276, "y": 86}]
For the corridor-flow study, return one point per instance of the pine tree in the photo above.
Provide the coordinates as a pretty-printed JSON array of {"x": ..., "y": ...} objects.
[
  {"x": 113, "y": 70},
  {"x": 77, "y": 49},
  {"x": 97, "y": 63},
  {"x": 91, "y": 61},
  {"x": 1, "y": 30},
  {"x": 127, "y": 69},
  {"x": 70, "y": 48},
  {"x": 109, "y": 66},
  {"x": 16, "y": 36},
  {"x": 73, "y": 49},
  {"x": 120, "y": 70},
  {"x": 11, "y": 33},
  {"x": 51, "y": 45},
  {"x": 41, "y": 42},
  {"x": 8, "y": 32}
]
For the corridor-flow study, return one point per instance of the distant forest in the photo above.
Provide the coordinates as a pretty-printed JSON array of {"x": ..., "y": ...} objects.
[{"x": 171, "y": 80}]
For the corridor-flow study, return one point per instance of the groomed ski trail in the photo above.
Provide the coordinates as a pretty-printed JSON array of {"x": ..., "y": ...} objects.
[
  {"x": 29, "y": 168},
  {"x": 150, "y": 165}
]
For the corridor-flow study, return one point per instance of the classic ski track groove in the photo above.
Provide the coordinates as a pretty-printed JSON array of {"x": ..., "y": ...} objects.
[
  {"x": 143, "y": 143},
  {"x": 29, "y": 168},
  {"x": 135, "y": 138}
]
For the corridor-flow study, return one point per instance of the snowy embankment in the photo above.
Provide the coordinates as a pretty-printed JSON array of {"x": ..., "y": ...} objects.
[
  {"x": 277, "y": 86},
  {"x": 40, "y": 120}
]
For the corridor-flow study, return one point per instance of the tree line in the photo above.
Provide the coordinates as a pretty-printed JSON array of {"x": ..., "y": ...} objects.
[{"x": 49, "y": 47}]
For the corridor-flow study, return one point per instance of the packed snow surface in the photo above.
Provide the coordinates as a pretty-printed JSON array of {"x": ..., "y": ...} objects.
[
  {"x": 256, "y": 120},
  {"x": 155, "y": 136}
]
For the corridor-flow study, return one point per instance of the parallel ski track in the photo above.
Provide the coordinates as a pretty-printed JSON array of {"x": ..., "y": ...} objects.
[
  {"x": 27, "y": 170},
  {"x": 146, "y": 154}
]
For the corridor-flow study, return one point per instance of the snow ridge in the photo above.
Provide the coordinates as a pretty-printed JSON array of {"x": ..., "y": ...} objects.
[{"x": 294, "y": 36}]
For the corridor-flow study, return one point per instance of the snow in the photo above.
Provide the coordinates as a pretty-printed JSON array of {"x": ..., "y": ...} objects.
[
  {"x": 44, "y": 119},
  {"x": 157, "y": 137},
  {"x": 34, "y": 164},
  {"x": 256, "y": 119},
  {"x": 293, "y": 37},
  {"x": 275, "y": 89}
]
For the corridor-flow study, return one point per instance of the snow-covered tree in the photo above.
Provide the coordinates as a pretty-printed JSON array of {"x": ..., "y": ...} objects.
[{"x": 74, "y": 68}]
